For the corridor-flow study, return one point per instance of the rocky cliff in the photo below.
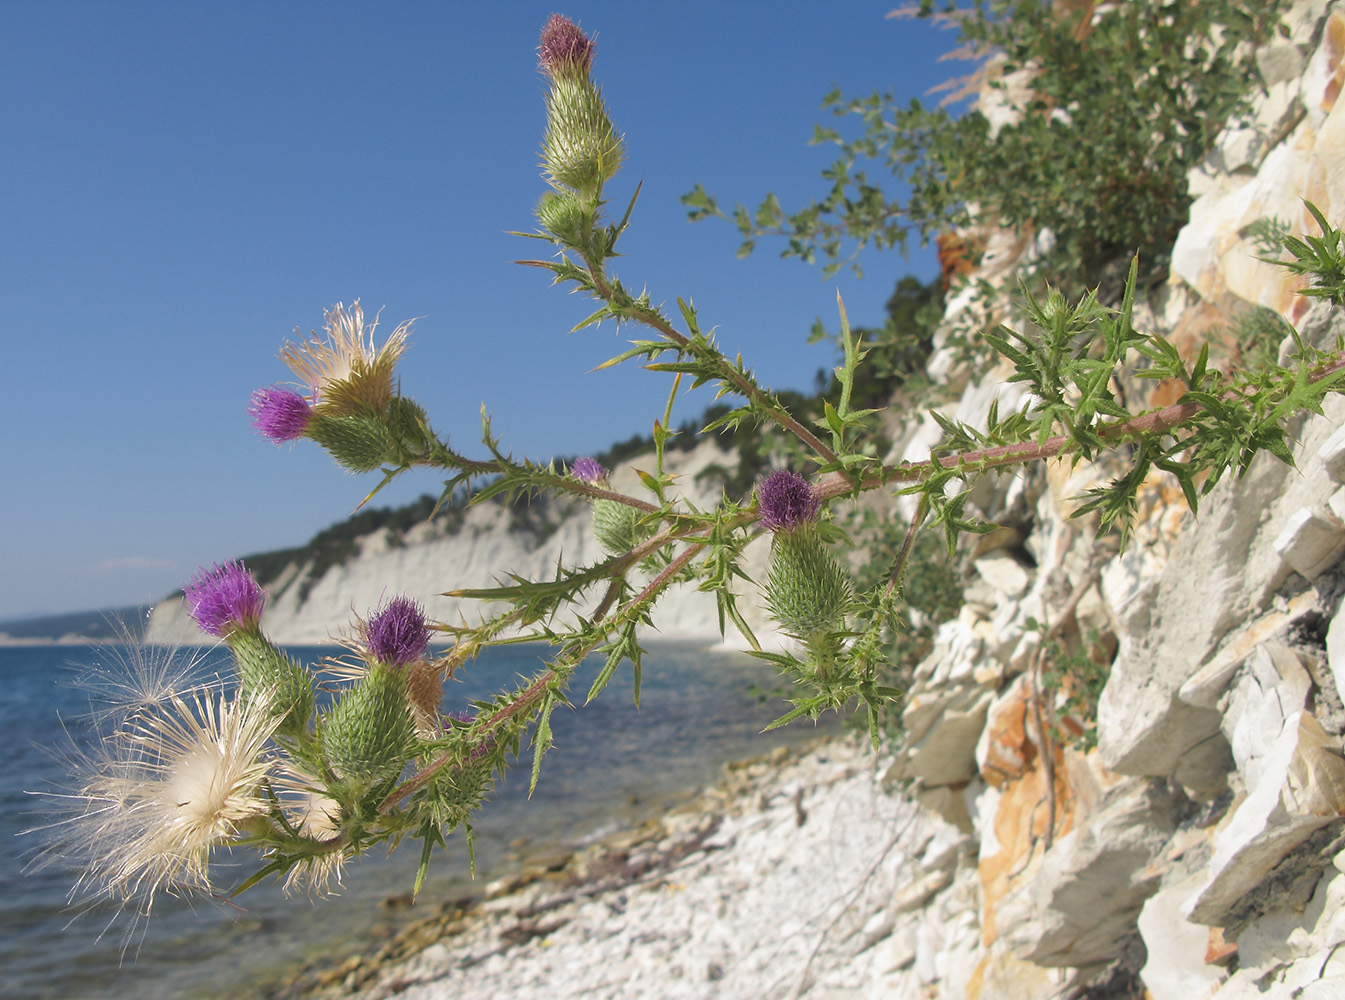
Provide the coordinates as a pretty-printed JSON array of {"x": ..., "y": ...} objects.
[{"x": 1196, "y": 851}]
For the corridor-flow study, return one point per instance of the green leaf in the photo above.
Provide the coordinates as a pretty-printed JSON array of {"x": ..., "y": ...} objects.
[
  {"x": 597, "y": 316},
  {"x": 701, "y": 204},
  {"x": 833, "y": 419},
  {"x": 430, "y": 836},
  {"x": 806, "y": 706},
  {"x": 688, "y": 315},
  {"x": 541, "y": 741},
  {"x": 1202, "y": 361}
]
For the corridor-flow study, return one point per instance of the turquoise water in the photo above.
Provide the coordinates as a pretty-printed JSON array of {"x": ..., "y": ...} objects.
[{"x": 611, "y": 765}]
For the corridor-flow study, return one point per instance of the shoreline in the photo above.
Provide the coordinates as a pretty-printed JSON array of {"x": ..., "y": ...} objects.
[
  {"x": 614, "y": 769},
  {"x": 559, "y": 921}
]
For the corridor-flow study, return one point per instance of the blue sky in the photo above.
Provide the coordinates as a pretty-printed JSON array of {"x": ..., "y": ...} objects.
[{"x": 185, "y": 184}]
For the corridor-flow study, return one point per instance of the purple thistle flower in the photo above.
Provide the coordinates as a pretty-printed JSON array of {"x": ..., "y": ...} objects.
[
  {"x": 564, "y": 48},
  {"x": 785, "y": 501},
  {"x": 588, "y": 470},
  {"x": 224, "y": 598},
  {"x": 397, "y": 634},
  {"x": 279, "y": 414}
]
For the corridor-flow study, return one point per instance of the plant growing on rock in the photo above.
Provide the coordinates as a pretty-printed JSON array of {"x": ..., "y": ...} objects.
[
  {"x": 312, "y": 784},
  {"x": 1118, "y": 102}
]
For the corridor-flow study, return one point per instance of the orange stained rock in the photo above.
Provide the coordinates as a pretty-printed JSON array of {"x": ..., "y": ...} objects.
[
  {"x": 1020, "y": 820},
  {"x": 1009, "y": 748},
  {"x": 1020, "y": 833},
  {"x": 958, "y": 255},
  {"x": 1219, "y": 951},
  {"x": 1333, "y": 42},
  {"x": 1000, "y": 974}
]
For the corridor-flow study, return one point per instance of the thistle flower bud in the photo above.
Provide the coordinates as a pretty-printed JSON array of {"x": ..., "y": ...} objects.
[
  {"x": 564, "y": 215},
  {"x": 463, "y": 788},
  {"x": 227, "y": 601},
  {"x": 264, "y": 670},
  {"x": 588, "y": 470},
  {"x": 482, "y": 748},
  {"x": 616, "y": 526},
  {"x": 807, "y": 591},
  {"x": 224, "y": 599},
  {"x": 785, "y": 501},
  {"x": 396, "y": 634},
  {"x": 279, "y": 414},
  {"x": 409, "y": 425},
  {"x": 368, "y": 733},
  {"x": 581, "y": 149},
  {"x": 356, "y": 442}
]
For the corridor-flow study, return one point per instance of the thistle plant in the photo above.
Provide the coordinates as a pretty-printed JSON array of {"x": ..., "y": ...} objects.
[
  {"x": 616, "y": 525},
  {"x": 226, "y": 602},
  {"x": 807, "y": 591},
  {"x": 310, "y": 785}
]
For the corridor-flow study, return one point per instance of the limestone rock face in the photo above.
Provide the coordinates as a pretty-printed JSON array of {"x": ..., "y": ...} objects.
[
  {"x": 1080, "y": 906},
  {"x": 1192, "y": 850},
  {"x": 1287, "y": 803}
]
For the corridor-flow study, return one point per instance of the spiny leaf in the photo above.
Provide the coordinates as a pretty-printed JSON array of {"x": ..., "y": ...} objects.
[
  {"x": 541, "y": 741},
  {"x": 806, "y": 706}
]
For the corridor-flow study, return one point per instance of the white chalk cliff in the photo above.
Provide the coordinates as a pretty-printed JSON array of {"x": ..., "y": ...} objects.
[{"x": 427, "y": 562}]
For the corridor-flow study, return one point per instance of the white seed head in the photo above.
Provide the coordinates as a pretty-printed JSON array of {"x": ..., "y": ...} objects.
[{"x": 149, "y": 802}]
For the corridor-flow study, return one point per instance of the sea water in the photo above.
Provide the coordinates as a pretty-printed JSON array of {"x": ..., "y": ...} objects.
[{"x": 611, "y": 765}]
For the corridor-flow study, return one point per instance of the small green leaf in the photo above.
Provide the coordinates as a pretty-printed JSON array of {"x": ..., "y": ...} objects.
[
  {"x": 541, "y": 742},
  {"x": 806, "y": 706}
]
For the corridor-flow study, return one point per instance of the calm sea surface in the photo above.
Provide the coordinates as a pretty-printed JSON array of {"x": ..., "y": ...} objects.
[{"x": 611, "y": 765}]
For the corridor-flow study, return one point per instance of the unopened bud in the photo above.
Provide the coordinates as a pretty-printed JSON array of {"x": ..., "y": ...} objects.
[
  {"x": 358, "y": 443},
  {"x": 581, "y": 150},
  {"x": 808, "y": 593},
  {"x": 616, "y": 526},
  {"x": 409, "y": 425},
  {"x": 368, "y": 733},
  {"x": 566, "y": 217}
]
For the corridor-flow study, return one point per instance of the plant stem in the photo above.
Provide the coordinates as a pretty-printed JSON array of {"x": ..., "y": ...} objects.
[
  {"x": 1167, "y": 419},
  {"x": 921, "y": 510},
  {"x": 743, "y": 385}
]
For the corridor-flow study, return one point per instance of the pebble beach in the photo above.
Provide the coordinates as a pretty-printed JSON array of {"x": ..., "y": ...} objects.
[{"x": 777, "y": 881}]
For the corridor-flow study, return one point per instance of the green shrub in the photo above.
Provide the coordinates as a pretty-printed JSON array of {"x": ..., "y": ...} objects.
[{"x": 1123, "y": 102}]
